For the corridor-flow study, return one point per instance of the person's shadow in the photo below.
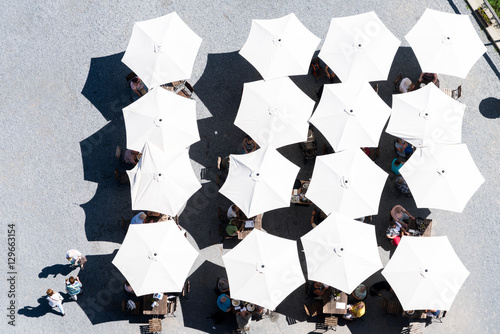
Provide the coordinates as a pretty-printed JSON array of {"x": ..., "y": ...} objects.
[
  {"x": 56, "y": 269},
  {"x": 37, "y": 311}
]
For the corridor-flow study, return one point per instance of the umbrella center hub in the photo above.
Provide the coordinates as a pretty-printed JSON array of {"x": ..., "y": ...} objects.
[
  {"x": 339, "y": 251},
  {"x": 349, "y": 112},
  {"x": 441, "y": 172},
  {"x": 345, "y": 182},
  {"x": 158, "y": 176},
  {"x": 277, "y": 41},
  {"x": 424, "y": 272},
  {"x": 159, "y": 122},
  {"x": 261, "y": 268},
  {"x": 255, "y": 176},
  {"x": 276, "y": 111},
  {"x": 153, "y": 255},
  {"x": 157, "y": 48},
  {"x": 425, "y": 114},
  {"x": 447, "y": 39}
]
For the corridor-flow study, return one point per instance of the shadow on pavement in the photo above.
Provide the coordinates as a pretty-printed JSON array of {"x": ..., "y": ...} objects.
[
  {"x": 38, "y": 311},
  {"x": 201, "y": 304},
  {"x": 490, "y": 107},
  {"x": 56, "y": 269},
  {"x": 106, "y": 87}
]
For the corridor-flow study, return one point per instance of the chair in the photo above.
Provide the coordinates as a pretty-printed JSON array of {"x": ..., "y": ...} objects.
[
  {"x": 171, "y": 307},
  {"x": 454, "y": 93},
  {"x": 309, "y": 146},
  {"x": 392, "y": 306},
  {"x": 331, "y": 323},
  {"x": 397, "y": 82},
  {"x": 314, "y": 309},
  {"x": 154, "y": 325},
  {"x": 187, "y": 289},
  {"x": 135, "y": 311},
  {"x": 439, "y": 318}
]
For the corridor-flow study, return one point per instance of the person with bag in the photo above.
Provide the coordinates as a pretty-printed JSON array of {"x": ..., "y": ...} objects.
[
  {"x": 75, "y": 258},
  {"x": 55, "y": 300}
]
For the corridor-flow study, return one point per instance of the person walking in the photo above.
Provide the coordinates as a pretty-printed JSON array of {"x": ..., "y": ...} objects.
[
  {"x": 75, "y": 258},
  {"x": 55, "y": 300},
  {"x": 73, "y": 287}
]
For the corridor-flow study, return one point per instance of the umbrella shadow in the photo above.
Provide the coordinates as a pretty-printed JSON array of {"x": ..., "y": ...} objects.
[
  {"x": 490, "y": 107},
  {"x": 219, "y": 89},
  {"x": 106, "y": 87},
  {"x": 111, "y": 201},
  {"x": 102, "y": 286},
  {"x": 38, "y": 311},
  {"x": 56, "y": 269},
  {"x": 200, "y": 310}
]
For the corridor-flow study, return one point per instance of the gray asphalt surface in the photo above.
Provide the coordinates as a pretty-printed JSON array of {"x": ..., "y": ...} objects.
[{"x": 60, "y": 117}]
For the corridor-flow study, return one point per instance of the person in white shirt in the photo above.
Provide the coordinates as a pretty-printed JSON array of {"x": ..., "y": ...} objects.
[
  {"x": 406, "y": 86},
  {"x": 55, "y": 300}
]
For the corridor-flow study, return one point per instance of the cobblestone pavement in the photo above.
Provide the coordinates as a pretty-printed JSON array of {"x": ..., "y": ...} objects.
[{"x": 60, "y": 117}]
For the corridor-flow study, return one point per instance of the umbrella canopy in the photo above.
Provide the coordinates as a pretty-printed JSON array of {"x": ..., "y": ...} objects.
[
  {"x": 426, "y": 116},
  {"x": 162, "y": 181},
  {"x": 280, "y": 47},
  {"x": 274, "y": 112},
  {"x": 359, "y": 47},
  {"x": 260, "y": 181},
  {"x": 163, "y": 118},
  {"x": 351, "y": 115},
  {"x": 445, "y": 43},
  {"x": 442, "y": 177},
  {"x": 348, "y": 182},
  {"x": 162, "y": 50},
  {"x": 263, "y": 269},
  {"x": 341, "y": 252},
  {"x": 155, "y": 258},
  {"x": 425, "y": 273}
]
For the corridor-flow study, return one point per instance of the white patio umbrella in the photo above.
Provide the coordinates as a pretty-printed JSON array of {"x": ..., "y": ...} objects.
[
  {"x": 280, "y": 47},
  {"x": 341, "y": 252},
  {"x": 425, "y": 273},
  {"x": 348, "y": 182},
  {"x": 163, "y": 118},
  {"x": 263, "y": 269},
  {"x": 442, "y": 177},
  {"x": 359, "y": 47},
  {"x": 426, "y": 116},
  {"x": 162, "y": 181},
  {"x": 155, "y": 258},
  {"x": 162, "y": 50},
  {"x": 351, "y": 115},
  {"x": 274, "y": 112},
  {"x": 445, "y": 43},
  {"x": 260, "y": 181}
]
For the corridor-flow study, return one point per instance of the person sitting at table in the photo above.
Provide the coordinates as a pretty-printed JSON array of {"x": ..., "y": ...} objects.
[
  {"x": 249, "y": 145},
  {"x": 235, "y": 212},
  {"x": 131, "y": 157},
  {"x": 399, "y": 214},
  {"x": 360, "y": 292},
  {"x": 432, "y": 313},
  {"x": 403, "y": 149},
  {"x": 155, "y": 217},
  {"x": 317, "y": 289},
  {"x": 128, "y": 288},
  {"x": 426, "y": 78},
  {"x": 137, "y": 86},
  {"x": 243, "y": 320},
  {"x": 223, "y": 167},
  {"x": 394, "y": 232},
  {"x": 396, "y": 165},
  {"x": 406, "y": 86},
  {"x": 355, "y": 311},
  {"x": 402, "y": 186},
  {"x": 222, "y": 286},
  {"x": 224, "y": 302},
  {"x": 234, "y": 227},
  {"x": 317, "y": 218}
]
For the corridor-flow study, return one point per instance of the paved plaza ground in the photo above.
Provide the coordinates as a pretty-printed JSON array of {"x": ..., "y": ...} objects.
[{"x": 61, "y": 118}]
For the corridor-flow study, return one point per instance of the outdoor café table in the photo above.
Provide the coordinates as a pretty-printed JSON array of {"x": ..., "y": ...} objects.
[
  {"x": 257, "y": 225},
  {"x": 298, "y": 195},
  {"x": 332, "y": 306},
  {"x": 160, "y": 309}
]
